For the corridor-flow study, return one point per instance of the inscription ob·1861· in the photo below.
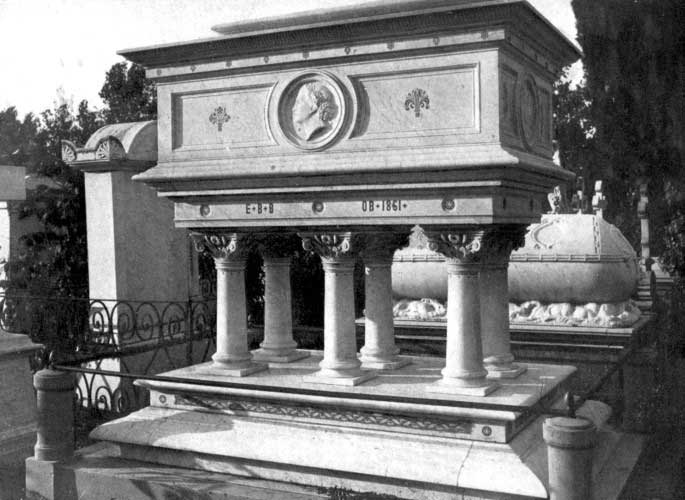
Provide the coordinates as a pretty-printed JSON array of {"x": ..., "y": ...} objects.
[{"x": 383, "y": 206}]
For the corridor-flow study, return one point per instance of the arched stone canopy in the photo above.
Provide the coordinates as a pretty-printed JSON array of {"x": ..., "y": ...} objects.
[{"x": 122, "y": 146}]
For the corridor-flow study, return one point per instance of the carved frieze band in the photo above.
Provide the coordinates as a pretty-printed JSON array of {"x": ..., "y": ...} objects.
[
  {"x": 332, "y": 245},
  {"x": 222, "y": 245},
  {"x": 219, "y": 116},
  {"x": 417, "y": 100},
  {"x": 338, "y": 415}
]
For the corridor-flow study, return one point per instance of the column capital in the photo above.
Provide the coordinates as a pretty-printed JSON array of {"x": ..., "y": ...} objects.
[
  {"x": 381, "y": 246},
  {"x": 459, "y": 245},
  {"x": 490, "y": 245},
  {"x": 225, "y": 246},
  {"x": 332, "y": 245}
]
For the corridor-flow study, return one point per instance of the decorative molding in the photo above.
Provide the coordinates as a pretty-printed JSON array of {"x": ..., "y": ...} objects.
[
  {"x": 110, "y": 149},
  {"x": 338, "y": 415},
  {"x": 417, "y": 100},
  {"x": 331, "y": 245},
  {"x": 219, "y": 116},
  {"x": 222, "y": 245}
]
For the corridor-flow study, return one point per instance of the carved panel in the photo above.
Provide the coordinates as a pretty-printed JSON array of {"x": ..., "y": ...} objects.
[
  {"x": 225, "y": 118},
  {"x": 431, "y": 102},
  {"x": 456, "y": 426},
  {"x": 508, "y": 101}
]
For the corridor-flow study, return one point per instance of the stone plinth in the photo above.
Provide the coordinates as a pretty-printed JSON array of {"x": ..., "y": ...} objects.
[
  {"x": 17, "y": 399},
  {"x": 277, "y": 425}
]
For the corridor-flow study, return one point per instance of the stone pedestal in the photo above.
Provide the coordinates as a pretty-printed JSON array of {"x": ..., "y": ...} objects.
[
  {"x": 379, "y": 350},
  {"x": 570, "y": 442},
  {"x": 340, "y": 365},
  {"x": 55, "y": 402},
  {"x": 229, "y": 251},
  {"x": 17, "y": 400},
  {"x": 278, "y": 345}
]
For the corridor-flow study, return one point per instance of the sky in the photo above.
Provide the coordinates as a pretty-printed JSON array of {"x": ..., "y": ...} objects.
[{"x": 54, "y": 51}]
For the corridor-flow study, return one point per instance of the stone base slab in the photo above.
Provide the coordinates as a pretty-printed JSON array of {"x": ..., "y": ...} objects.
[
  {"x": 220, "y": 369},
  {"x": 386, "y": 365},
  {"x": 344, "y": 381},
  {"x": 514, "y": 372},
  {"x": 264, "y": 356},
  {"x": 444, "y": 387}
]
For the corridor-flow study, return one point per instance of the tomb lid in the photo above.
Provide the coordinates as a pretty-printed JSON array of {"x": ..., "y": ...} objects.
[
  {"x": 369, "y": 20},
  {"x": 121, "y": 146}
]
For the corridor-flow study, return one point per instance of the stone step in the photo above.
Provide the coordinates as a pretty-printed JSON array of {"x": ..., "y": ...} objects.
[{"x": 98, "y": 473}]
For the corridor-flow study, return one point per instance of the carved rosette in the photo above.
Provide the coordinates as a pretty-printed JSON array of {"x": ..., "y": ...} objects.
[
  {"x": 110, "y": 149},
  {"x": 332, "y": 245},
  {"x": 68, "y": 152},
  {"x": 226, "y": 246}
]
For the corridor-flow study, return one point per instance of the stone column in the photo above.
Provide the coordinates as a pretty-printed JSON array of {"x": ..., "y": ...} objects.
[
  {"x": 340, "y": 364},
  {"x": 278, "y": 345},
  {"x": 230, "y": 256},
  {"x": 570, "y": 443},
  {"x": 379, "y": 351},
  {"x": 464, "y": 372},
  {"x": 494, "y": 302}
]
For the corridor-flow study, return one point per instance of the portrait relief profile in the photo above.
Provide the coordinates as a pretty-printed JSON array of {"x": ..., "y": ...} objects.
[{"x": 314, "y": 111}]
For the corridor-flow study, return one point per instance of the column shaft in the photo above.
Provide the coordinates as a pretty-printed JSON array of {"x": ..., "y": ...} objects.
[
  {"x": 279, "y": 345},
  {"x": 231, "y": 315},
  {"x": 379, "y": 351},
  {"x": 229, "y": 250},
  {"x": 494, "y": 296},
  {"x": 340, "y": 364}
]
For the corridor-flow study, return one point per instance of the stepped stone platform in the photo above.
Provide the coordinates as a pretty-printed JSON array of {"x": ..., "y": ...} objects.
[{"x": 389, "y": 435}]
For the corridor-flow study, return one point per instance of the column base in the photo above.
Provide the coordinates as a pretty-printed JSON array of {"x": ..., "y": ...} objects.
[
  {"x": 321, "y": 377},
  {"x": 512, "y": 371},
  {"x": 385, "y": 365},
  {"x": 241, "y": 370},
  {"x": 447, "y": 386},
  {"x": 269, "y": 357}
]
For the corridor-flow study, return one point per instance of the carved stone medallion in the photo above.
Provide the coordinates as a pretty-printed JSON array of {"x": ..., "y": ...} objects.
[{"x": 312, "y": 111}]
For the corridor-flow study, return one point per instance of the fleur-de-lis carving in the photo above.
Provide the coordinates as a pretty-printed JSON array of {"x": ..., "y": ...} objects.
[
  {"x": 417, "y": 100},
  {"x": 219, "y": 116}
]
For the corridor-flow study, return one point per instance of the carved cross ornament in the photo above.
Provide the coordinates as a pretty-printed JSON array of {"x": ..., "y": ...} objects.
[
  {"x": 218, "y": 117},
  {"x": 417, "y": 100}
]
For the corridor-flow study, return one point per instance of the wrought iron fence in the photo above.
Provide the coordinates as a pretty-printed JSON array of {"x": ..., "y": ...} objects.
[{"x": 114, "y": 336}]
